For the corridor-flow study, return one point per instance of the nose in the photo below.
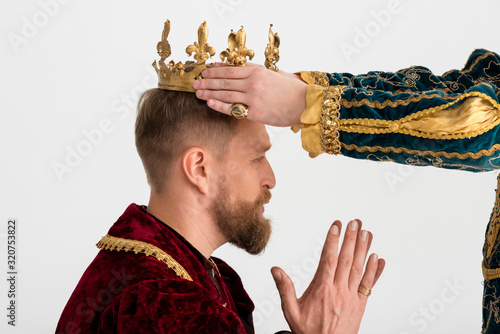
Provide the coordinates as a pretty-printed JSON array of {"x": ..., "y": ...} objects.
[{"x": 268, "y": 180}]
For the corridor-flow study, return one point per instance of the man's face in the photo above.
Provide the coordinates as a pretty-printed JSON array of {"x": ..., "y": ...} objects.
[{"x": 244, "y": 187}]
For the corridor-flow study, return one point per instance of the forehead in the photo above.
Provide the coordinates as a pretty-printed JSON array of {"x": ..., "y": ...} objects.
[{"x": 251, "y": 136}]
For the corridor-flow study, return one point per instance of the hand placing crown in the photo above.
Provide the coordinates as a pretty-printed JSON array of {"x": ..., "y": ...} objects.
[{"x": 180, "y": 76}]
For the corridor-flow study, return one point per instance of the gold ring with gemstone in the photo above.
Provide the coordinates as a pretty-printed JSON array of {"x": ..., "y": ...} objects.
[
  {"x": 239, "y": 110},
  {"x": 364, "y": 290}
]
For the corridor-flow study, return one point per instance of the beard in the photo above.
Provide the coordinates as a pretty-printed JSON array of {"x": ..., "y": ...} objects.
[{"x": 242, "y": 222}]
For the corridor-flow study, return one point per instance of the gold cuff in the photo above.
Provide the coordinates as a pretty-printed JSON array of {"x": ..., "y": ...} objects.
[
  {"x": 330, "y": 115},
  {"x": 315, "y": 78},
  {"x": 320, "y": 119}
]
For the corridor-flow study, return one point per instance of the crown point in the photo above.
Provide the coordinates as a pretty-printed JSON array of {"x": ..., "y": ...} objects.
[
  {"x": 272, "y": 51},
  {"x": 237, "y": 52},
  {"x": 180, "y": 76}
]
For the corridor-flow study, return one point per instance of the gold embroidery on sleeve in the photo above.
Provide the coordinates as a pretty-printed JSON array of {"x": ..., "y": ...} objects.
[
  {"x": 392, "y": 104},
  {"x": 491, "y": 243},
  {"x": 432, "y": 122},
  {"x": 478, "y": 59},
  {"x": 406, "y": 101},
  {"x": 397, "y": 92},
  {"x": 373, "y": 157},
  {"x": 448, "y": 155},
  {"x": 492, "y": 307},
  {"x": 320, "y": 78},
  {"x": 449, "y": 72},
  {"x": 330, "y": 115},
  {"x": 429, "y": 161},
  {"x": 111, "y": 243}
]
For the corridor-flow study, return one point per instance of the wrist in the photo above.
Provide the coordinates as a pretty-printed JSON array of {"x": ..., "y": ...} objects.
[{"x": 300, "y": 105}]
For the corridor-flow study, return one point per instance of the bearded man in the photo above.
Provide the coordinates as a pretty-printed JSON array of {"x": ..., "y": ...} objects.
[{"x": 210, "y": 180}]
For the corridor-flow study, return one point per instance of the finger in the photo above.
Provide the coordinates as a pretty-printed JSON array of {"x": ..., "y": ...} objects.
[
  {"x": 370, "y": 240},
  {"x": 220, "y": 64},
  {"x": 346, "y": 254},
  {"x": 223, "y": 96},
  {"x": 286, "y": 290},
  {"x": 219, "y": 106},
  {"x": 360, "y": 224},
  {"x": 228, "y": 72},
  {"x": 374, "y": 269},
  {"x": 220, "y": 84},
  {"x": 248, "y": 64},
  {"x": 380, "y": 269},
  {"x": 358, "y": 263},
  {"x": 329, "y": 255}
]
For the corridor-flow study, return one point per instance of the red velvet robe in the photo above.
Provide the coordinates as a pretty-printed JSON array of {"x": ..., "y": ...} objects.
[{"x": 124, "y": 292}]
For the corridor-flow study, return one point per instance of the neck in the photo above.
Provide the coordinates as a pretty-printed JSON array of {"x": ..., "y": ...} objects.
[{"x": 188, "y": 219}]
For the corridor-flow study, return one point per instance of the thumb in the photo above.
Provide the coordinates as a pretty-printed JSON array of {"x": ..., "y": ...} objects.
[{"x": 286, "y": 290}]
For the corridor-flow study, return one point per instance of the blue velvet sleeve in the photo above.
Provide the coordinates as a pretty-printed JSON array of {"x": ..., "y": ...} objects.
[{"x": 415, "y": 117}]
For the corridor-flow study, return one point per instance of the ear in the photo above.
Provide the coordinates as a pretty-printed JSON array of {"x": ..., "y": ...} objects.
[{"x": 195, "y": 166}]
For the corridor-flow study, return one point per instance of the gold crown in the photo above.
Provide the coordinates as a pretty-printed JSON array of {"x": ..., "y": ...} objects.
[{"x": 180, "y": 76}]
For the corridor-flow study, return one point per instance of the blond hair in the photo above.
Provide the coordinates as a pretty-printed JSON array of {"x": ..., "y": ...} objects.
[{"x": 168, "y": 123}]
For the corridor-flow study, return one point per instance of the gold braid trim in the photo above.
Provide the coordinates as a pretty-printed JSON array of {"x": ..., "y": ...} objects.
[
  {"x": 491, "y": 242},
  {"x": 448, "y": 155},
  {"x": 111, "y": 243},
  {"x": 394, "y": 128},
  {"x": 478, "y": 59},
  {"x": 406, "y": 102},
  {"x": 377, "y": 126},
  {"x": 418, "y": 114},
  {"x": 449, "y": 72},
  {"x": 392, "y": 104},
  {"x": 397, "y": 92},
  {"x": 330, "y": 114},
  {"x": 490, "y": 274},
  {"x": 320, "y": 78}
]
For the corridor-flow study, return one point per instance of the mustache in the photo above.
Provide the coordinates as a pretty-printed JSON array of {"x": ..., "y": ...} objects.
[{"x": 264, "y": 197}]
